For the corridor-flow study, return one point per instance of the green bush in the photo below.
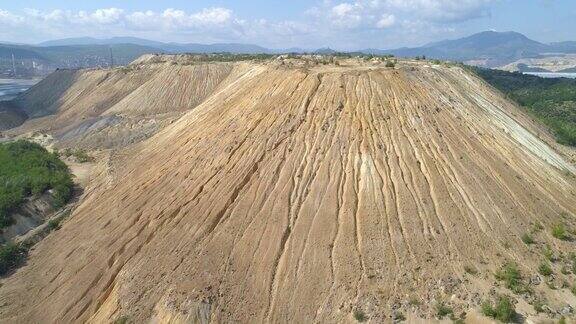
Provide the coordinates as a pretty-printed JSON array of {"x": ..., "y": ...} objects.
[
  {"x": 503, "y": 310},
  {"x": 548, "y": 253},
  {"x": 511, "y": 277},
  {"x": 121, "y": 320},
  {"x": 527, "y": 239},
  {"x": 359, "y": 315},
  {"x": 27, "y": 169},
  {"x": 545, "y": 269},
  {"x": 559, "y": 232},
  {"x": 442, "y": 310},
  {"x": 11, "y": 255}
]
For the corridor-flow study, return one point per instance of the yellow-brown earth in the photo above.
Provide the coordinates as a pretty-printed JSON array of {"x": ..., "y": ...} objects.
[{"x": 288, "y": 191}]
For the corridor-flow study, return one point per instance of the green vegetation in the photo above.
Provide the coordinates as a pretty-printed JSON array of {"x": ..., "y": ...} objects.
[
  {"x": 359, "y": 315},
  {"x": 390, "y": 64},
  {"x": 121, "y": 320},
  {"x": 552, "y": 101},
  {"x": 528, "y": 239},
  {"x": 559, "y": 232},
  {"x": 511, "y": 277},
  {"x": 27, "y": 169},
  {"x": 537, "y": 228},
  {"x": 11, "y": 255},
  {"x": 442, "y": 310},
  {"x": 79, "y": 156},
  {"x": 539, "y": 306},
  {"x": 548, "y": 253},
  {"x": 545, "y": 269},
  {"x": 503, "y": 310}
]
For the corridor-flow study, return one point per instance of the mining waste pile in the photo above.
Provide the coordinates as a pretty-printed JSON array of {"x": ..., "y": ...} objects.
[{"x": 294, "y": 190}]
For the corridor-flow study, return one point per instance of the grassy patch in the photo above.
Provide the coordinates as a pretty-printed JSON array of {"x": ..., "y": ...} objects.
[
  {"x": 539, "y": 306},
  {"x": 27, "y": 169},
  {"x": 512, "y": 278},
  {"x": 548, "y": 253},
  {"x": 359, "y": 315},
  {"x": 80, "y": 156},
  {"x": 11, "y": 256},
  {"x": 545, "y": 269},
  {"x": 503, "y": 310},
  {"x": 559, "y": 231},
  {"x": 537, "y": 228},
  {"x": 528, "y": 239},
  {"x": 443, "y": 310},
  {"x": 122, "y": 320}
]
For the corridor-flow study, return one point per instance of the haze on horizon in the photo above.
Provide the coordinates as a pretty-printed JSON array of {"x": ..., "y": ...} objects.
[{"x": 344, "y": 25}]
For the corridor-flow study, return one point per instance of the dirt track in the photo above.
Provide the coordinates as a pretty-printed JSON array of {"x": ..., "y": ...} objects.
[{"x": 298, "y": 194}]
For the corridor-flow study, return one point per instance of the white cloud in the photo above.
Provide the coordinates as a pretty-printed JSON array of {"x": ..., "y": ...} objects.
[
  {"x": 386, "y": 21},
  {"x": 8, "y": 18},
  {"x": 442, "y": 10},
  {"x": 337, "y": 23}
]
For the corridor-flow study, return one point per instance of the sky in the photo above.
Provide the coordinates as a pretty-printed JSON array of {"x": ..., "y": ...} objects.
[{"x": 342, "y": 25}]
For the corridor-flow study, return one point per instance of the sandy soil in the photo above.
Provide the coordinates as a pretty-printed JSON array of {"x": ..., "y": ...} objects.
[{"x": 299, "y": 192}]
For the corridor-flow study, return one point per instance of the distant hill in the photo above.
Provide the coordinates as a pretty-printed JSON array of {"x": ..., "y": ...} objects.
[
  {"x": 235, "y": 48},
  {"x": 497, "y": 48},
  {"x": 564, "y": 47},
  {"x": 490, "y": 49}
]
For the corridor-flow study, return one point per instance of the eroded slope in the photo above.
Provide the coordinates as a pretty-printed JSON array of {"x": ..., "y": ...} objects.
[
  {"x": 293, "y": 194},
  {"x": 116, "y": 107}
]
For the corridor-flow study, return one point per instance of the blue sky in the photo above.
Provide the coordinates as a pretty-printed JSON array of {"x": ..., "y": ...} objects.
[{"x": 345, "y": 25}]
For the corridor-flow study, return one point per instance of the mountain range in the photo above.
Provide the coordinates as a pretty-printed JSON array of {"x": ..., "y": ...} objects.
[{"x": 490, "y": 49}]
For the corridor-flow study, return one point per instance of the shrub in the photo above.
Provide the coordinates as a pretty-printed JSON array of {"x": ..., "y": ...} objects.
[
  {"x": 121, "y": 320},
  {"x": 390, "y": 64},
  {"x": 359, "y": 315},
  {"x": 442, "y": 310},
  {"x": 511, "y": 277},
  {"x": 54, "y": 224},
  {"x": 527, "y": 239},
  {"x": 559, "y": 232},
  {"x": 11, "y": 255},
  {"x": 537, "y": 228},
  {"x": 28, "y": 169},
  {"x": 503, "y": 310},
  {"x": 539, "y": 306},
  {"x": 545, "y": 269},
  {"x": 548, "y": 253}
]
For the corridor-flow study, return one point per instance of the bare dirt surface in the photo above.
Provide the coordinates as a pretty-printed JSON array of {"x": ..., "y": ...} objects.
[{"x": 299, "y": 192}]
